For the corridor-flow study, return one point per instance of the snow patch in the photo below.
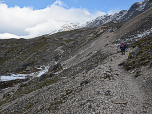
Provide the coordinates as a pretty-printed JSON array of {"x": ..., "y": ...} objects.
[
  {"x": 140, "y": 2},
  {"x": 13, "y": 77},
  {"x": 142, "y": 6},
  {"x": 43, "y": 71},
  {"x": 135, "y": 37},
  {"x": 23, "y": 76}
]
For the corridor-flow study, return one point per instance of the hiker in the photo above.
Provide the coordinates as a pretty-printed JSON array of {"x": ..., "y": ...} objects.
[
  {"x": 122, "y": 47},
  {"x": 111, "y": 30}
]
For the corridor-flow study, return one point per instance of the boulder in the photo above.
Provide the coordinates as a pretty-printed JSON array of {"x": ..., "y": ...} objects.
[
  {"x": 120, "y": 101},
  {"x": 6, "y": 95},
  {"x": 43, "y": 76},
  {"x": 84, "y": 82},
  {"x": 57, "y": 57},
  {"x": 137, "y": 74},
  {"x": 107, "y": 93},
  {"x": 55, "y": 68},
  {"x": 89, "y": 105},
  {"x": 22, "y": 85},
  {"x": 108, "y": 74}
]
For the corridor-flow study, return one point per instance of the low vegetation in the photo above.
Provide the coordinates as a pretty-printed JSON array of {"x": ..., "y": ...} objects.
[{"x": 143, "y": 57}]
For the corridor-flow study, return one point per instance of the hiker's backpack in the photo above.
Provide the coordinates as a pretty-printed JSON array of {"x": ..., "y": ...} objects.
[
  {"x": 122, "y": 46},
  {"x": 111, "y": 30}
]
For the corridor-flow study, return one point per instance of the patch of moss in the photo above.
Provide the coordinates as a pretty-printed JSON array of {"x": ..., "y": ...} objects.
[
  {"x": 25, "y": 107},
  {"x": 49, "y": 82},
  {"x": 84, "y": 76},
  {"x": 3, "y": 102},
  {"x": 128, "y": 67},
  {"x": 141, "y": 51},
  {"x": 29, "y": 105},
  {"x": 2, "y": 60},
  {"x": 133, "y": 61}
]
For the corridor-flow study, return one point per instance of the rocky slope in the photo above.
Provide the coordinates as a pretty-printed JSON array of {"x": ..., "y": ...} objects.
[
  {"x": 91, "y": 75},
  {"x": 44, "y": 49}
]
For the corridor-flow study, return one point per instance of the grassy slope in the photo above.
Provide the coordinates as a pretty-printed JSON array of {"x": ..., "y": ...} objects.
[{"x": 142, "y": 57}]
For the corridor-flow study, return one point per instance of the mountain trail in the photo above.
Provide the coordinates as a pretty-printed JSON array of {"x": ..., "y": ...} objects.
[
  {"x": 123, "y": 76},
  {"x": 111, "y": 89}
]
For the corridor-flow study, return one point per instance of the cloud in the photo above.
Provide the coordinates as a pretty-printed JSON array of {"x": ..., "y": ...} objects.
[
  {"x": 16, "y": 22},
  {"x": 8, "y": 35},
  {"x": 113, "y": 11},
  {"x": 59, "y": 3}
]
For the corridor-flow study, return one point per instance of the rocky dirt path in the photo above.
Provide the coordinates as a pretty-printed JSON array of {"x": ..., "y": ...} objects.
[
  {"x": 118, "y": 94},
  {"x": 128, "y": 90}
]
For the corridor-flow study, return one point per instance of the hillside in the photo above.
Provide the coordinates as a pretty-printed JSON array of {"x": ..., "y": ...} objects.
[{"x": 87, "y": 73}]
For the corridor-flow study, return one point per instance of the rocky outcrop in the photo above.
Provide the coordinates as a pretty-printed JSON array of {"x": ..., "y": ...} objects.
[
  {"x": 136, "y": 9},
  {"x": 5, "y": 84},
  {"x": 24, "y": 67},
  {"x": 148, "y": 4}
]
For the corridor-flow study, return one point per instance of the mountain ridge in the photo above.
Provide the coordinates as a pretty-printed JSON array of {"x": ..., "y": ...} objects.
[{"x": 123, "y": 15}]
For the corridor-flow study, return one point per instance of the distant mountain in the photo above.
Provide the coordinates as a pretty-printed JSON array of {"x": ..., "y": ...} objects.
[
  {"x": 123, "y": 15},
  {"x": 68, "y": 27},
  {"x": 106, "y": 18}
]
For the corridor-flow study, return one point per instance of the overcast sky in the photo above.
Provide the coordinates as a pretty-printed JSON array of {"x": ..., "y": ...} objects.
[{"x": 31, "y": 18}]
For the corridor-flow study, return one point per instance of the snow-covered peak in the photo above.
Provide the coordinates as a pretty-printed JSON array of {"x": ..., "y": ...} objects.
[
  {"x": 140, "y": 2},
  {"x": 140, "y": 6},
  {"x": 68, "y": 27}
]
